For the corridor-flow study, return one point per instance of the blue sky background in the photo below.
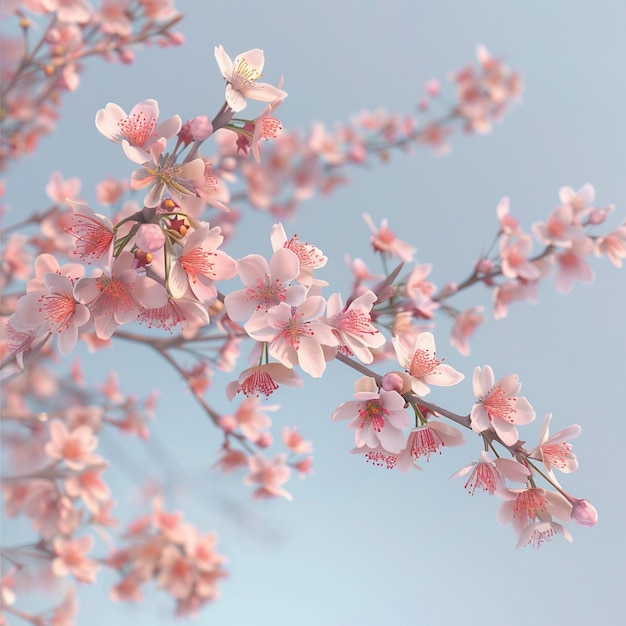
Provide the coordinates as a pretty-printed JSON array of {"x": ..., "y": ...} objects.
[{"x": 361, "y": 545}]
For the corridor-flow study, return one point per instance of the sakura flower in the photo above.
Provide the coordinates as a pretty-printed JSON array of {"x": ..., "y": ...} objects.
[
  {"x": 93, "y": 233},
  {"x": 295, "y": 442},
  {"x": 427, "y": 439},
  {"x": 509, "y": 225},
  {"x": 378, "y": 417},
  {"x": 537, "y": 533},
  {"x": 498, "y": 406},
  {"x": 554, "y": 451},
  {"x": 309, "y": 255},
  {"x": 488, "y": 473},
  {"x": 120, "y": 297},
  {"x": 162, "y": 174},
  {"x": 200, "y": 264},
  {"x": 75, "y": 448},
  {"x": 267, "y": 285},
  {"x": 211, "y": 188},
  {"x": 251, "y": 419},
  {"x": 613, "y": 245},
  {"x": 577, "y": 200},
  {"x": 242, "y": 75},
  {"x": 60, "y": 191},
  {"x": 263, "y": 380},
  {"x": 559, "y": 229},
  {"x": 71, "y": 558},
  {"x": 465, "y": 325},
  {"x": 514, "y": 254},
  {"x": 138, "y": 130},
  {"x": 295, "y": 334},
  {"x": 89, "y": 486},
  {"x": 269, "y": 475},
  {"x": 353, "y": 325},
  {"x": 572, "y": 265},
  {"x": 53, "y": 310},
  {"x": 422, "y": 365},
  {"x": 384, "y": 240}
]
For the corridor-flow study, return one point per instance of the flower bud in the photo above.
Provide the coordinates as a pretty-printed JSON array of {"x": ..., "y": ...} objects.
[
  {"x": 396, "y": 381},
  {"x": 584, "y": 513},
  {"x": 265, "y": 440}
]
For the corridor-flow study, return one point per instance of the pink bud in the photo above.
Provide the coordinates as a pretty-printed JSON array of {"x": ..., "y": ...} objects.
[
  {"x": 200, "y": 127},
  {"x": 265, "y": 440},
  {"x": 228, "y": 423},
  {"x": 150, "y": 237},
  {"x": 484, "y": 266},
  {"x": 396, "y": 381},
  {"x": 597, "y": 216},
  {"x": 584, "y": 513}
]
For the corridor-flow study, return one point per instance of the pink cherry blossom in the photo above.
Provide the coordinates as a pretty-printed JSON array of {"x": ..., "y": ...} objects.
[
  {"x": 251, "y": 419},
  {"x": 74, "y": 447},
  {"x": 71, "y": 558},
  {"x": 263, "y": 380},
  {"x": 267, "y": 285},
  {"x": 384, "y": 240},
  {"x": 577, "y": 200},
  {"x": 162, "y": 175},
  {"x": 353, "y": 325},
  {"x": 241, "y": 76},
  {"x": 269, "y": 475},
  {"x": 514, "y": 253},
  {"x": 426, "y": 440},
  {"x": 421, "y": 290},
  {"x": 377, "y": 417},
  {"x": 61, "y": 191},
  {"x": 54, "y": 310},
  {"x": 613, "y": 245},
  {"x": 465, "y": 325},
  {"x": 509, "y": 225},
  {"x": 89, "y": 486},
  {"x": 537, "y": 533},
  {"x": 119, "y": 297},
  {"x": 200, "y": 264},
  {"x": 488, "y": 474},
  {"x": 554, "y": 451},
  {"x": 422, "y": 365},
  {"x": 296, "y": 334},
  {"x": 499, "y": 407},
  {"x": 572, "y": 265},
  {"x": 138, "y": 130},
  {"x": 93, "y": 233},
  {"x": 309, "y": 256},
  {"x": 559, "y": 229},
  {"x": 295, "y": 442}
]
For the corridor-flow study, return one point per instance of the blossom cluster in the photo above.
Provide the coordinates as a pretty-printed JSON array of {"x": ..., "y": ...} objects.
[{"x": 156, "y": 271}]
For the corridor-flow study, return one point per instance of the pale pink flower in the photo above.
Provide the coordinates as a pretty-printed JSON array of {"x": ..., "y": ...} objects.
[
  {"x": 93, "y": 233},
  {"x": 309, "y": 256},
  {"x": 242, "y": 75},
  {"x": 512, "y": 291},
  {"x": 514, "y": 253},
  {"x": 61, "y": 191},
  {"x": 524, "y": 506},
  {"x": 422, "y": 365},
  {"x": 177, "y": 573},
  {"x": 251, "y": 419},
  {"x": 200, "y": 264},
  {"x": 554, "y": 451},
  {"x": 509, "y": 225},
  {"x": 353, "y": 325},
  {"x": 113, "y": 18},
  {"x": 110, "y": 190},
  {"x": 163, "y": 175},
  {"x": 426, "y": 440},
  {"x": 89, "y": 486},
  {"x": 421, "y": 290},
  {"x": 499, "y": 407},
  {"x": 269, "y": 475},
  {"x": 120, "y": 297},
  {"x": 267, "y": 284},
  {"x": 231, "y": 460},
  {"x": 211, "y": 188},
  {"x": 559, "y": 229},
  {"x": 186, "y": 311},
  {"x": 537, "y": 533},
  {"x": 263, "y": 380},
  {"x": 571, "y": 265},
  {"x": 266, "y": 126},
  {"x": 579, "y": 200},
  {"x": 613, "y": 245},
  {"x": 295, "y": 442},
  {"x": 295, "y": 334},
  {"x": 53, "y": 310},
  {"x": 465, "y": 325},
  {"x": 488, "y": 473},
  {"x": 377, "y": 417},
  {"x": 384, "y": 240},
  {"x": 75, "y": 447},
  {"x": 138, "y": 130},
  {"x": 71, "y": 558}
]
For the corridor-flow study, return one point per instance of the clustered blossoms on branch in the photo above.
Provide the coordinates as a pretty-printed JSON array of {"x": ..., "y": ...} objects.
[{"x": 161, "y": 263}]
